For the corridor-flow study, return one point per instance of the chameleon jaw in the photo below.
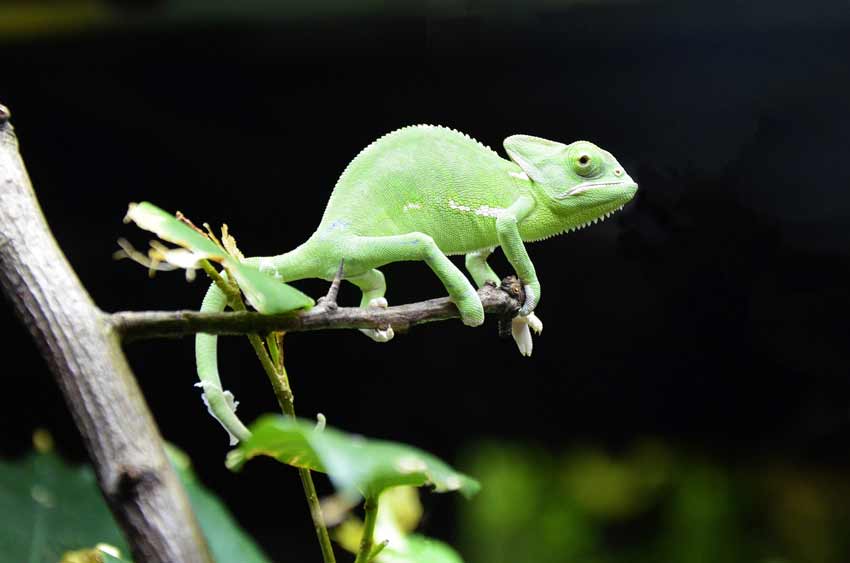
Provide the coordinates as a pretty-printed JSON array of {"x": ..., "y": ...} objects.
[{"x": 584, "y": 186}]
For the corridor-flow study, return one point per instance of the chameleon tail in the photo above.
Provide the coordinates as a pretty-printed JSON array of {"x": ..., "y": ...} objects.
[
  {"x": 219, "y": 402},
  {"x": 290, "y": 266}
]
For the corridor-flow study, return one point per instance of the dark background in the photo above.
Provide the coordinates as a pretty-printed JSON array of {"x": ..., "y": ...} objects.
[{"x": 710, "y": 313}]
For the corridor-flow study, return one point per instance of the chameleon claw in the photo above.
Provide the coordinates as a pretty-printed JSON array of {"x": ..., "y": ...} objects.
[
  {"x": 378, "y": 303},
  {"x": 534, "y": 323},
  {"x": 522, "y": 335},
  {"x": 379, "y": 335},
  {"x": 531, "y": 299}
]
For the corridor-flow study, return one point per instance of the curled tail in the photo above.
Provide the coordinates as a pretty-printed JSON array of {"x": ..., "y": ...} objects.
[
  {"x": 219, "y": 402},
  {"x": 286, "y": 267}
]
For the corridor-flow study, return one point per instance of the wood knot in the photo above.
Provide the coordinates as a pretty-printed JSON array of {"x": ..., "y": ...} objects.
[
  {"x": 513, "y": 287},
  {"x": 134, "y": 481}
]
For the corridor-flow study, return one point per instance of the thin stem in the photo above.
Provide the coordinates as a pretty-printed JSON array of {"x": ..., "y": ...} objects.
[
  {"x": 229, "y": 290},
  {"x": 371, "y": 510},
  {"x": 316, "y": 514},
  {"x": 280, "y": 383},
  {"x": 273, "y": 366},
  {"x": 378, "y": 549}
]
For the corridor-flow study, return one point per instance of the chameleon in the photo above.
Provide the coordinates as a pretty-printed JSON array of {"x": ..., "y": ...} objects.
[{"x": 424, "y": 193}]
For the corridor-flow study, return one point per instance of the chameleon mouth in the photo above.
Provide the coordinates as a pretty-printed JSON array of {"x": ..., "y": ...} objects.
[
  {"x": 597, "y": 219},
  {"x": 585, "y": 186}
]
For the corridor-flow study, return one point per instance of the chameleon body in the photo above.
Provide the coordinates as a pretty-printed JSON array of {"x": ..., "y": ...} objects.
[{"x": 425, "y": 192}]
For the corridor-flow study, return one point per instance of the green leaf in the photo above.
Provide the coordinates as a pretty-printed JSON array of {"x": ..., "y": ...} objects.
[
  {"x": 227, "y": 541},
  {"x": 167, "y": 227},
  {"x": 265, "y": 293},
  {"x": 353, "y": 463},
  {"x": 48, "y": 508},
  {"x": 419, "y": 549}
]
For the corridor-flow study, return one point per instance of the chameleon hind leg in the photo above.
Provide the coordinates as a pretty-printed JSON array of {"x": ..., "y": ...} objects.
[
  {"x": 373, "y": 286},
  {"x": 420, "y": 247},
  {"x": 479, "y": 269},
  {"x": 481, "y": 272}
]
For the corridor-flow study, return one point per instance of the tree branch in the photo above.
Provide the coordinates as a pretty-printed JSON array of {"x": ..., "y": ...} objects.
[
  {"x": 86, "y": 359},
  {"x": 504, "y": 302}
]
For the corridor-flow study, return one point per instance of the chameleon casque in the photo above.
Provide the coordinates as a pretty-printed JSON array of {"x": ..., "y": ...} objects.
[{"x": 426, "y": 192}]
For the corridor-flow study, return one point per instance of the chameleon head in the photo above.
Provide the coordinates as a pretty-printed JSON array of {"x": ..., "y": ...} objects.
[{"x": 579, "y": 182}]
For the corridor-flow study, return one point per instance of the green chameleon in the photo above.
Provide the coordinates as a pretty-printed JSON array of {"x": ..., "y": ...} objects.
[{"x": 426, "y": 192}]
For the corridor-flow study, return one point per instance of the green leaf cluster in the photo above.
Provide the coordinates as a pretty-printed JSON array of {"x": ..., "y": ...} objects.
[
  {"x": 265, "y": 293},
  {"x": 376, "y": 469}
]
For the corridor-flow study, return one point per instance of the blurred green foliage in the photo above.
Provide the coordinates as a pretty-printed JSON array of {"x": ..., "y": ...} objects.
[
  {"x": 398, "y": 516},
  {"x": 651, "y": 504},
  {"x": 50, "y": 511}
]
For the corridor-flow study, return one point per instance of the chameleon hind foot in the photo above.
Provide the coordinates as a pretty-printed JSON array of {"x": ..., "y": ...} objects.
[{"x": 378, "y": 335}]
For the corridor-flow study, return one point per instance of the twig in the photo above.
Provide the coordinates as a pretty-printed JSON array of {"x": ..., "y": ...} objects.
[
  {"x": 378, "y": 549},
  {"x": 280, "y": 383},
  {"x": 329, "y": 301},
  {"x": 158, "y": 324},
  {"x": 370, "y": 508}
]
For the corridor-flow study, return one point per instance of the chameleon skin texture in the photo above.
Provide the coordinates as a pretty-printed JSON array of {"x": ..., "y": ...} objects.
[{"x": 424, "y": 192}]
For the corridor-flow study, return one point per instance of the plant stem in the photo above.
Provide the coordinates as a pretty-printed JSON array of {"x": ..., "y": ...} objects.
[
  {"x": 371, "y": 510},
  {"x": 280, "y": 383},
  {"x": 273, "y": 366},
  {"x": 378, "y": 549}
]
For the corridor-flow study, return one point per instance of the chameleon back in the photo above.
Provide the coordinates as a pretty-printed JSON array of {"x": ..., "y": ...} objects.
[{"x": 427, "y": 179}]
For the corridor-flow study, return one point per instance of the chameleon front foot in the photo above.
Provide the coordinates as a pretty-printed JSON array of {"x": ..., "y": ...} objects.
[
  {"x": 522, "y": 335},
  {"x": 471, "y": 309},
  {"x": 378, "y": 335}
]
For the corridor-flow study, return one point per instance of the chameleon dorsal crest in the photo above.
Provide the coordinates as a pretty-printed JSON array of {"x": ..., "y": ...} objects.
[{"x": 532, "y": 154}]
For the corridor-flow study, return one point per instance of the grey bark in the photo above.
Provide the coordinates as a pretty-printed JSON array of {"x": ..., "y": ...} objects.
[
  {"x": 132, "y": 325},
  {"x": 84, "y": 353}
]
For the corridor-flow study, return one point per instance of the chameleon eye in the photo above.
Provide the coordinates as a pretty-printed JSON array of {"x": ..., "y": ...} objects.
[{"x": 584, "y": 164}]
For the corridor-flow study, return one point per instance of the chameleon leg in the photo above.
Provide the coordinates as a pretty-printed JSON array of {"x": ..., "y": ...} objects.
[
  {"x": 479, "y": 269},
  {"x": 476, "y": 264},
  {"x": 419, "y": 246},
  {"x": 373, "y": 286}
]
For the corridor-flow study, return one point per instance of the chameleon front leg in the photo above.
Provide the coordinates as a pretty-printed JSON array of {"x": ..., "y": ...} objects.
[
  {"x": 419, "y": 246},
  {"x": 507, "y": 229},
  {"x": 481, "y": 272},
  {"x": 373, "y": 286}
]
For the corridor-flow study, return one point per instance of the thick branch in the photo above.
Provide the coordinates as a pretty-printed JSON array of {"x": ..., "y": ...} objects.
[
  {"x": 157, "y": 324},
  {"x": 86, "y": 359}
]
